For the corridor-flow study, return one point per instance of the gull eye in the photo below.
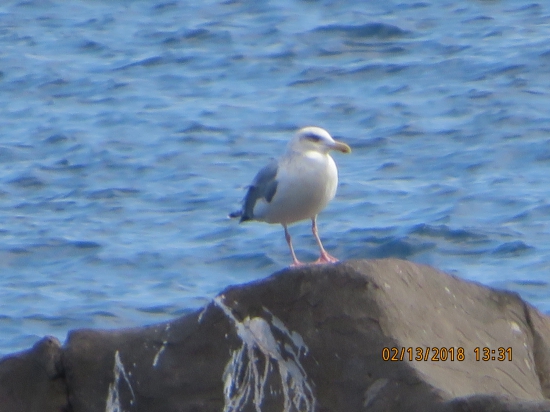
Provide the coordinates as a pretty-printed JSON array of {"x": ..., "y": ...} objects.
[{"x": 312, "y": 137}]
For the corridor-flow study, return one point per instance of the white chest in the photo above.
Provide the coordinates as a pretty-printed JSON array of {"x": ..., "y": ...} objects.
[{"x": 305, "y": 186}]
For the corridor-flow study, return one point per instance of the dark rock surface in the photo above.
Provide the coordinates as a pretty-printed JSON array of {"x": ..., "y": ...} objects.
[
  {"x": 306, "y": 339},
  {"x": 33, "y": 380}
]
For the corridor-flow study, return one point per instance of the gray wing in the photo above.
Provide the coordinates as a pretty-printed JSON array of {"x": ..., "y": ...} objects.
[{"x": 263, "y": 186}]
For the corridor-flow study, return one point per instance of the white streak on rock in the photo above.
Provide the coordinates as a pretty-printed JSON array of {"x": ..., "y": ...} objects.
[
  {"x": 156, "y": 358},
  {"x": 372, "y": 392},
  {"x": 113, "y": 396},
  {"x": 244, "y": 378},
  {"x": 199, "y": 319}
]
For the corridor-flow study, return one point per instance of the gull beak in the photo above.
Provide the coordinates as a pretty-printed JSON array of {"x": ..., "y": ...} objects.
[{"x": 341, "y": 147}]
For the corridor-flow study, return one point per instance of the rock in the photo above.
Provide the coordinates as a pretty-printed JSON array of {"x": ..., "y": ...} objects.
[
  {"x": 33, "y": 380},
  {"x": 315, "y": 338}
]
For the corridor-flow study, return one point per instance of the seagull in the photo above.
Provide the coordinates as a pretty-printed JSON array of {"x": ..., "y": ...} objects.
[{"x": 296, "y": 187}]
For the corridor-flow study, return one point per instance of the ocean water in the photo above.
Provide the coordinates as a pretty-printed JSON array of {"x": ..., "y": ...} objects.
[{"x": 130, "y": 129}]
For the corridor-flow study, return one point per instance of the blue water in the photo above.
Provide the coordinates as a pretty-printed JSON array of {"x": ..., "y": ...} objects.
[{"x": 129, "y": 129}]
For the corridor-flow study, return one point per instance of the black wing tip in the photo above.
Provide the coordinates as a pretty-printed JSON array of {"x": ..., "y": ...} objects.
[
  {"x": 236, "y": 214},
  {"x": 239, "y": 213}
]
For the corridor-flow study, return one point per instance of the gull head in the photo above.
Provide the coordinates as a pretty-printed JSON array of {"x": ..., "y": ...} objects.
[{"x": 316, "y": 139}]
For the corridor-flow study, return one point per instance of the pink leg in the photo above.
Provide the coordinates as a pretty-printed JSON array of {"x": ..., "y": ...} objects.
[
  {"x": 325, "y": 257},
  {"x": 295, "y": 261}
]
